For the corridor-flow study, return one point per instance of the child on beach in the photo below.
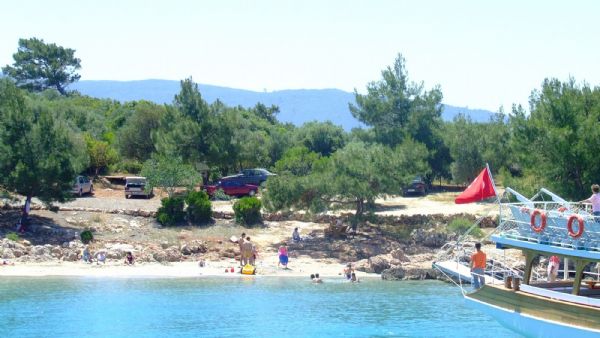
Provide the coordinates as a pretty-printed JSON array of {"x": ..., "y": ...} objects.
[
  {"x": 317, "y": 279},
  {"x": 100, "y": 258},
  {"x": 85, "y": 255},
  {"x": 353, "y": 278},
  {"x": 283, "y": 256},
  {"x": 129, "y": 260}
]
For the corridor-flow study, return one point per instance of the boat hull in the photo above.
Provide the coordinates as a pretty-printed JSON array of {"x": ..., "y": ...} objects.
[{"x": 527, "y": 315}]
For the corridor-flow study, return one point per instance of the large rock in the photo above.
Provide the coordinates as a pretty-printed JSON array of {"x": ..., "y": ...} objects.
[
  {"x": 431, "y": 238},
  {"x": 173, "y": 254},
  {"x": 362, "y": 265},
  {"x": 378, "y": 264},
  {"x": 70, "y": 255},
  {"x": 399, "y": 255},
  {"x": 395, "y": 273},
  {"x": 7, "y": 253},
  {"x": 160, "y": 256},
  {"x": 420, "y": 274}
]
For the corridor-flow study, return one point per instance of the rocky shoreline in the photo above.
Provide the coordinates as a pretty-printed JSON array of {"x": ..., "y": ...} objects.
[{"x": 396, "y": 247}]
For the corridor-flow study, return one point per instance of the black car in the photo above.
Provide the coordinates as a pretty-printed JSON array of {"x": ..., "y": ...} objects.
[
  {"x": 250, "y": 176},
  {"x": 416, "y": 187}
]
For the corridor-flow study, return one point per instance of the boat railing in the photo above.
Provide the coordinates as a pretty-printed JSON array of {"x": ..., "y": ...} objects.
[{"x": 562, "y": 224}]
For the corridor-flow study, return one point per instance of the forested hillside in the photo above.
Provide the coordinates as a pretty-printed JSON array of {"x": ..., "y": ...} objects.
[{"x": 47, "y": 137}]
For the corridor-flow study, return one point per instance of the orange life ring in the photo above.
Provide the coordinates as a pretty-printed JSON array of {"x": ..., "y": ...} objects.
[
  {"x": 534, "y": 227},
  {"x": 570, "y": 226}
]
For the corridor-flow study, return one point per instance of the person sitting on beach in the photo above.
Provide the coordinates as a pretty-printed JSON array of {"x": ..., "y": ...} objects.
[
  {"x": 296, "y": 235},
  {"x": 85, "y": 255},
  {"x": 348, "y": 271},
  {"x": 5, "y": 262},
  {"x": 129, "y": 260},
  {"x": 353, "y": 278},
  {"x": 283, "y": 256},
  {"x": 100, "y": 258},
  {"x": 317, "y": 279}
]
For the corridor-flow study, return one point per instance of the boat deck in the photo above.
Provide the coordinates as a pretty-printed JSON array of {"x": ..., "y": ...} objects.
[{"x": 454, "y": 269}]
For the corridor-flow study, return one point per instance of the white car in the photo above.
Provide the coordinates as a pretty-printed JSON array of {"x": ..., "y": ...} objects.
[{"x": 82, "y": 185}]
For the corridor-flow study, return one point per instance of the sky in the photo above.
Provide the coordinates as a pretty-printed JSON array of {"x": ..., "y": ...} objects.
[{"x": 483, "y": 54}]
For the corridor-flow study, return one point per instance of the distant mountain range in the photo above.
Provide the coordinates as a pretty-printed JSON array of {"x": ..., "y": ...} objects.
[{"x": 296, "y": 106}]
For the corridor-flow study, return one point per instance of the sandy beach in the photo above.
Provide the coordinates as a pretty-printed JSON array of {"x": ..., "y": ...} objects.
[{"x": 302, "y": 267}]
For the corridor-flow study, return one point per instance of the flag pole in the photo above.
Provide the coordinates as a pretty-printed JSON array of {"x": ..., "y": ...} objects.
[{"x": 487, "y": 166}]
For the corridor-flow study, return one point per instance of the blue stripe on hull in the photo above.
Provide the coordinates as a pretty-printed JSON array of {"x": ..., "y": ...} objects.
[{"x": 531, "y": 326}]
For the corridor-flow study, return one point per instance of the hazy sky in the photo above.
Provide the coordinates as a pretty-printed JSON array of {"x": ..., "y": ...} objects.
[{"x": 483, "y": 54}]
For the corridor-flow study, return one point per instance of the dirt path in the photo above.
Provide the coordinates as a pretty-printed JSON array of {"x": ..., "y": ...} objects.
[{"x": 437, "y": 203}]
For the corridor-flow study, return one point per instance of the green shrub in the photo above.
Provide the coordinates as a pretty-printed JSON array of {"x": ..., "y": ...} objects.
[
  {"x": 171, "y": 211},
  {"x": 247, "y": 210},
  {"x": 220, "y": 195},
  {"x": 13, "y": 236},
  {"x": 461, "y": 225},
  {"x": 86, "y": 236},
  {"x": 199, "y": 208}
]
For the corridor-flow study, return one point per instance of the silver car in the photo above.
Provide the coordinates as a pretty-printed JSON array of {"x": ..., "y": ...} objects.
[
  {"x": 136, "y": 186},
  {"x": 82, "y": 185}
]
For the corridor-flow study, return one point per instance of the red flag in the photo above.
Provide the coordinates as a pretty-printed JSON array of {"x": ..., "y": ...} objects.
[{"x": 481, "y": 188}]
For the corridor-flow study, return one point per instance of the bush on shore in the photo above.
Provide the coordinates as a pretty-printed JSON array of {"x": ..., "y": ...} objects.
[
  {"x": 247, "y": 210},
  {"x": 199, "y": 208},
  {"x": 171, "y": 211}
]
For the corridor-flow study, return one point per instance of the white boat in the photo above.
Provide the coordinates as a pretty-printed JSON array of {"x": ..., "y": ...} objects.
[{"x": 524, "y": 300}]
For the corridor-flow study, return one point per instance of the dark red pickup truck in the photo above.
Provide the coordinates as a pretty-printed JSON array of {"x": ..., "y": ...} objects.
[{"x": 232, "y": 188}]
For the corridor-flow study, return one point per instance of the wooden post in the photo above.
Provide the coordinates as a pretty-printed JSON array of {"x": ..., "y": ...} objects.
[
  {"x": 579, "y": 265},
  {"x": 529, "y": 256}
]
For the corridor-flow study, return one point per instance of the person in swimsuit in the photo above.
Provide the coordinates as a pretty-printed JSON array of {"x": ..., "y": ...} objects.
[
  {"x": 283, "y": 256},
  {"x": 348, "y": 271},
  {"x": 129, "y": 260}
]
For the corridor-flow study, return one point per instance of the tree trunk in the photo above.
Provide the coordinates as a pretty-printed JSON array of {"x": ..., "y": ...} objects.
[
  {"x": 25, "y": 214},
  {"x": 360, "y": 205}
]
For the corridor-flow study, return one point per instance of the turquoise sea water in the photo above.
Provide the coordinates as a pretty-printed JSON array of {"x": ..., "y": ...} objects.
[{"x": 236, "y": 307}]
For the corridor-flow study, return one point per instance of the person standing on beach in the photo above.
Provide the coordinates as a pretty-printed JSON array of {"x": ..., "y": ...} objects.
[
  {"x": 595, "y": 201},
  {"x": 478, "y": 260},
  {"x": 247, "y": 251},
  {"x": 240, "y": 243},
  {"x": 283, "y": 256}
]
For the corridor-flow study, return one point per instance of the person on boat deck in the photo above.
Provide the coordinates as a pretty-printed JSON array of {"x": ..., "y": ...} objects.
[
  {"x": 595, "y": 200},
  {"x": 296, "y": 235},
  {"x": 283, "y": 256},
  {"x": 477, "y": 265},
  {"x": 553, "y": 264}
]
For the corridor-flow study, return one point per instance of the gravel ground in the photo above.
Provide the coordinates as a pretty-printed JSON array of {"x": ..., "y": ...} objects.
[{"x": 108, "y": 199}]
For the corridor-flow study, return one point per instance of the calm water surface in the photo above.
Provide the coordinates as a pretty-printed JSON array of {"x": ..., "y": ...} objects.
[{"x": 236, "y": 307}]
